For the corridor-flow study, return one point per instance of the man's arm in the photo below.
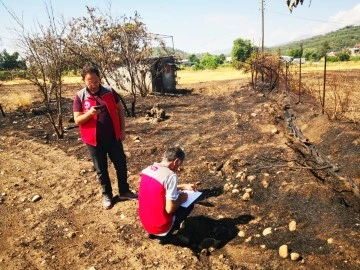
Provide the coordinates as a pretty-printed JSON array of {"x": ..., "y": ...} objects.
[
  {"x": 120, "y": 112},
  {"x": 173, "y": 205},
  {"x": 81, "y": 118}
]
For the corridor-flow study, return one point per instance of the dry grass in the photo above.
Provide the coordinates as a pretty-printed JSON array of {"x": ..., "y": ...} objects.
[
  {"x": 13, "y": 101},
  {"x": 189, "y": 76}
]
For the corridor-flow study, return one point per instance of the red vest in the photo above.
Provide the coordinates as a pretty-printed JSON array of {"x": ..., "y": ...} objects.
[
  {"x": 152, "y": 201},
  {"x": 88, "y": 130}
]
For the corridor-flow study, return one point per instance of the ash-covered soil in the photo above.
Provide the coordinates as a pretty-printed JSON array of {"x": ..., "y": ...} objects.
[{"x": 238, "y": 146}]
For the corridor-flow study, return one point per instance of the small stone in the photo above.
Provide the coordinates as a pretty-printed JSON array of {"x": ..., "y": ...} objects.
[
  {"x": 265, "y": 183},
  {"x": 235, "y": 191},
  {"x": 330, "y": 240},
  {"x": 284, "y": 251},
  {"x": 71, "y": 235},
  {"x": 267, "y": 231},
  {"x": 249, "y": 190},
  {"x": 241, "y": 234},
  {"x": 274, "y": 131},
  {"x": 294, "y": 256},
  {"x": 251, "y": 178},
  {"x": 36, "y": 198},
  {"x": 221, "y": 256},
  {"x": 292, "y": 225},
  {"x": 263, "y": 246},
  {"x": 248, "y": 239},
  {"x": 246, "y": 196},
  {"x": 3, "y": 194},
  {"x": 92, "y": 268}
]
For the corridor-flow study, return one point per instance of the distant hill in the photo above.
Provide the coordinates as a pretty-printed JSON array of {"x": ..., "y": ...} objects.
[{"x": 340, "y": 39}]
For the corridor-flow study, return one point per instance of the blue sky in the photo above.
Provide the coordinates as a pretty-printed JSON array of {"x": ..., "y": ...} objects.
[{"x": 200, "y": 25}]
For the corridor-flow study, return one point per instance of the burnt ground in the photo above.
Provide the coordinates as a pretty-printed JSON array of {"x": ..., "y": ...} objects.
[{"x": 235, "y": 138}]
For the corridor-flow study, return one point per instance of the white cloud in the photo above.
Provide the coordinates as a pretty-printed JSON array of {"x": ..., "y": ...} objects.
[{"x": 339, "y": 20}]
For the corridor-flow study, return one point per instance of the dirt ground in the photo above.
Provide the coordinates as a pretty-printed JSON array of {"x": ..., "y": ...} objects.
[{"x": 238, "y": 146}]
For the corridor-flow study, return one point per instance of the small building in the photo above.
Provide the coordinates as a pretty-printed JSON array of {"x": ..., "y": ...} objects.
[
  {"x": 158, "y": 75},
  {"x": 297, "y": 60},
  {"x": 163, "y": 75}
]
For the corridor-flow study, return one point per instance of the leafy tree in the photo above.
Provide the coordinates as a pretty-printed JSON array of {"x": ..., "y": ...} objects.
[
  {"x": 11, "y": 61},
  {"x": 312, "y": 54},
  {"x": 344, "y": 55},
  {"x": 325, "y": 47},
  {"x": 295, "y": 53},
  {"x": 241, "y": 50},
  {"x": 220, "y": 59},
  {"x": 193, "y": 58},
  {"x": 209, "y": 61}
]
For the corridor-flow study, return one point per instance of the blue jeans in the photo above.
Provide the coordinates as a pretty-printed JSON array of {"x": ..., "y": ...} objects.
[{"x": 99, "y": 154}]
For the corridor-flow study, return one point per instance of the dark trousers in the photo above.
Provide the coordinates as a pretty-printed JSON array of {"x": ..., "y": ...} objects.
[
  {"x": 117, "y": 156},
  {"x": 180, "y": 215}
]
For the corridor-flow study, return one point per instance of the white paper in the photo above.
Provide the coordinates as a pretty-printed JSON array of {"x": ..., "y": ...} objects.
[{"x": 192, "y": 196}]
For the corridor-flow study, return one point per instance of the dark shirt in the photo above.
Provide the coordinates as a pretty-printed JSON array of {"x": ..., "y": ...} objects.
[{"x": 104, "y": 126}]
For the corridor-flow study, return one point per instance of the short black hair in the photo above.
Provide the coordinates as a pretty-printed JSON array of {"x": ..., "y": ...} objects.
[
  {"x": 174, "y": 152},
  {"x": 89, "y": 69}
]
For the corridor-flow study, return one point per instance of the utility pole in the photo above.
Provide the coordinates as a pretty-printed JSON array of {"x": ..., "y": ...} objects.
[{"x": 262, "y": 19}]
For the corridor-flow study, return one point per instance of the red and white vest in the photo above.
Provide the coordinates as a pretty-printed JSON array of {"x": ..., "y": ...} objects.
[
  {"x": 152, "y": 201},
  {"x": 88, "y": 130}
]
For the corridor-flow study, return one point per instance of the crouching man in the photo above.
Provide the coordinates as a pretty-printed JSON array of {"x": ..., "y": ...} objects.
[{"x": 160, "y": 195}]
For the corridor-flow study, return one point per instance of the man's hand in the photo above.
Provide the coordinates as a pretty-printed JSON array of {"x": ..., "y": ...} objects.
[{"x": 182, "y": 197}]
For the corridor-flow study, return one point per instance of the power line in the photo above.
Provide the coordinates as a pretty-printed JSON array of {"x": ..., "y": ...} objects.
[{"x": 302, "y": 18}]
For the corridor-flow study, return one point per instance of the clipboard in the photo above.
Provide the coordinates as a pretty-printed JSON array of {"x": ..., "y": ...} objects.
[{"x": 192, "y": 196}]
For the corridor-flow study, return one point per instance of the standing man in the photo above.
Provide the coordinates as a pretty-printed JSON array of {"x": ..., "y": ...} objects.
[
  {"x": 100, "y": 115},
  {"x": 160, "y": 195}
]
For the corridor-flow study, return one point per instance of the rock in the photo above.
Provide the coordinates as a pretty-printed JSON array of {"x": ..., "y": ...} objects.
[
  {"x": 241, "y": 234},
  {"x": 330, "y": 241},
  {"x": 254, "y": 114},
  {"x": 248, "y": 239},
  {"x": 284, "y": 251},
  {"x": 294, "y": 256},
  {"x": 82, "y": 172},
  {"x": 251, "y": 178},
  {"x": 36, "y": 198},
  {"x": 263, "y": 246},
  {"x": 235, "y": 191},
  {"x": 227, "y": 187},
  {"x": 249, "y": 190},
  {"x": 92, "y": 268},
  {"x": 292, "y": 225},
  {"x": 3, "y": 194},
  {"x": 274, "y": 131},
  {"x": 267, "y": 231},
  {"x": 246, "y": 196},
  {"x": 265, "y": 183},
  {"x": 71, "y": 235}
]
